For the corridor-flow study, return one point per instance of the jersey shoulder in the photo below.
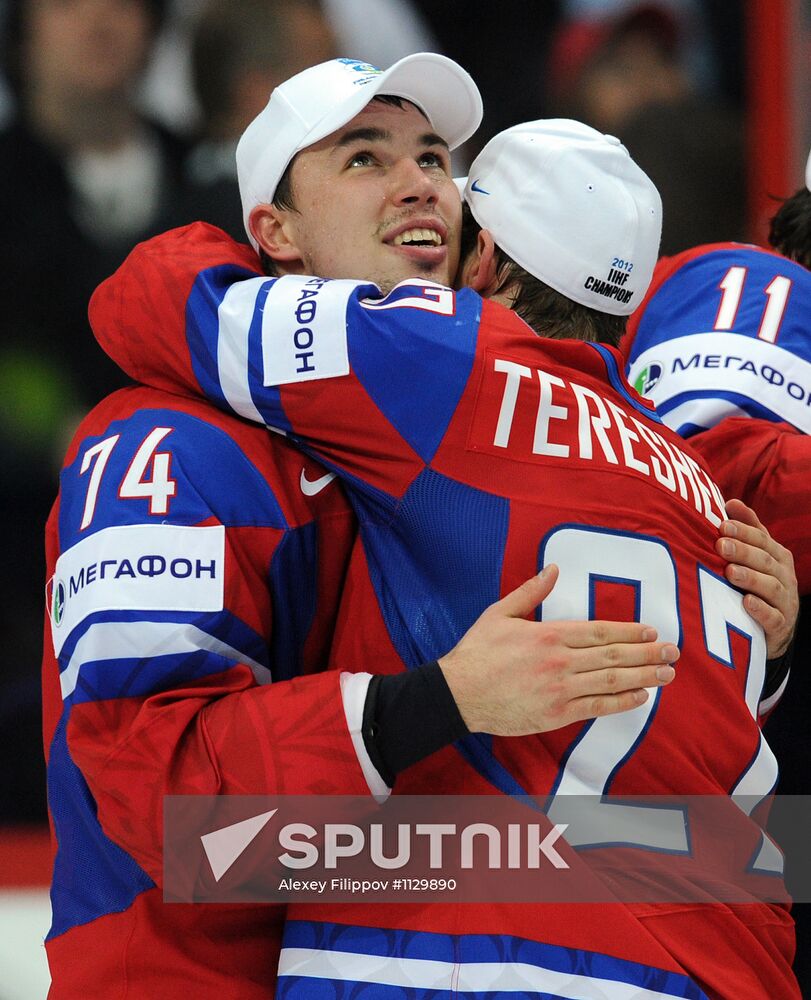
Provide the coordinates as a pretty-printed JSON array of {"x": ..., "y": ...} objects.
[
  {"x": 724, "y": 287},
  {"x": 146, "y": 456},
  {"x": 724, "y": 332},
  {"x": 405, "y": 355}
]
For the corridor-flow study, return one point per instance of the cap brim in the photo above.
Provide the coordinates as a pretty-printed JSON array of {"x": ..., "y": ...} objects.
[
  {"x": 808, "y": 172},
  {"x": 439, "y": 87}
]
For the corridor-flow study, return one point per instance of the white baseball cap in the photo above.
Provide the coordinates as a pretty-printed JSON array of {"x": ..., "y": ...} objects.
[
  {"x": 808, "y": 172},
  {"x": 314, "y": 103},
  {"x": 571, "y": 207}
]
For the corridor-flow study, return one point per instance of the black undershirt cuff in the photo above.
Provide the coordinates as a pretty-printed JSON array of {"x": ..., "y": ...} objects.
[
  {"x": 407, "y": 717},
  {"x": 777, "y": 671}
]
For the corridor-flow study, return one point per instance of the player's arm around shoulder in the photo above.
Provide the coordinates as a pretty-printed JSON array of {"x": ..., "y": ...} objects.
[{"x": 151, "y": 314}]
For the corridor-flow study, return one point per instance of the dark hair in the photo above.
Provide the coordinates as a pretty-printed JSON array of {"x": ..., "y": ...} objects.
[
  {"x": 790, "y": 228},
  {"x": 547, "y": 311},
  {"x": 12, "y": 36},
  {"x": 283, "y": 195}
]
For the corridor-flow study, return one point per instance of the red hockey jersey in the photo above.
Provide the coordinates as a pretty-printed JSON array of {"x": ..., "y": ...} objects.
[
  {"x": 188, "y": 571},
  {"x": 723, "y": 334},
  {"x": 475, "y": 452}
]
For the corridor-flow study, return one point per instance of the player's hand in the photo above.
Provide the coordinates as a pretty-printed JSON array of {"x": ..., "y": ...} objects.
[
  {"x": 511, "y": 677},
  {"x": 763, "y": 567}
]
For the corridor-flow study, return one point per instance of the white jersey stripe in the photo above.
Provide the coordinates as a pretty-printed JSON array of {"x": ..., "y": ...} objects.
[
  {"x": 473, "y": 977},
  {"x": 704, "y": 412},
  {"x": 140, "y": 639},
  {"x": 232, "y": 346}
]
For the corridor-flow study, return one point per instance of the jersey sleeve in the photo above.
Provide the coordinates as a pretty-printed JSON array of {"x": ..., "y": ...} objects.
[
  {"x": 723, "y": 332},
  {"x": 158, "y": 648},
  {"x": 768, "y": 466},
  {"x": 139, "y": 314},
  {"x": 366, "y": 384}
]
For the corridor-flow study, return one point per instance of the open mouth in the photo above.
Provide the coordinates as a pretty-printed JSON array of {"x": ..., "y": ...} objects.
[{"x": 418, "y": 238}]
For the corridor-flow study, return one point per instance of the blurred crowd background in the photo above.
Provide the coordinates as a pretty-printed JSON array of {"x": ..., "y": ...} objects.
[{"x": 119, "y": 119}]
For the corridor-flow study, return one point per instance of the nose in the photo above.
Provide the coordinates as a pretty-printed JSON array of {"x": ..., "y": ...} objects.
[{"x": 411, "y": 184}]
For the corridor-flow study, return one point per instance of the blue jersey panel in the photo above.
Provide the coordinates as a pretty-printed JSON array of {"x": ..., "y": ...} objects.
[
  {"x": 293, "y": 584},
  {"x": 443, "y": 528},
  {"x": 92, "y": 875},
  {"x": 414, "y": 362},
  {"x": 205, "y": 464},
  {"x": 690, "y": 300},
  {"x": 448, "y": 539}
]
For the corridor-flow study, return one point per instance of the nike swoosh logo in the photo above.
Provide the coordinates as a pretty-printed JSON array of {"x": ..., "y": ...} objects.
[
  {"x": 475, "y": 187},
  {"x": 309, "y": 487}
]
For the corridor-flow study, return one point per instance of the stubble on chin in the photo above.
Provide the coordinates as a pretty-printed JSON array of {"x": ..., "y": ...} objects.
[{"x": 429, "y": 272}]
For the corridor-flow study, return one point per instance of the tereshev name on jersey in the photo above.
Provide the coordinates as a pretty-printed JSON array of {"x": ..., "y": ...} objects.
[
  {"x": 139, "y": 567},
  {"x": 572, "y": 421}
]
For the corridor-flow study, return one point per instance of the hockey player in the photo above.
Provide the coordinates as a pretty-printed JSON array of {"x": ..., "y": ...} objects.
[
  {"x": 461, "y": 437},
  {"x": 193, "y": 559},
  {"x": 722, "y": 344},
  {"x": 730, "y": 368}
]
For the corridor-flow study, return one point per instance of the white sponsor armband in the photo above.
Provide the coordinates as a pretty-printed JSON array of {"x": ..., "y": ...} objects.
[
  {"x": 729, "y": 365},
  {"x": 143, "y": 567},
  {"x": 304, "y": 334}
]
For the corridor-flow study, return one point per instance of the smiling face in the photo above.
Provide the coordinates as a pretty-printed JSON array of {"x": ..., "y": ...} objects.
[{"x": 374, "y": 200}]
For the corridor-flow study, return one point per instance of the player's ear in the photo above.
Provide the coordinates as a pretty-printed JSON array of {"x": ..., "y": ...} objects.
[
  {"x": 275, "y": 233},
  {"x": 479, "y": 269}
]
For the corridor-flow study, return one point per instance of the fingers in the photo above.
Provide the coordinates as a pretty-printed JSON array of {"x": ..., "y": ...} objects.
[
  {"x": 737, "y": 510},
  {"x": 522, "y": 602},
  {"x": 617, "y": 689},
  {"x": 583, "y": 635},
  {"x": 618, "y": 680},
  {"x": 620, "y": 656},
  {"x": 755, "y": 548},
  {"x": 745, "y": 525},
  {"x": 752, "y": 555},
  {"x": 757, "y": 562},
  {"x": 771, "y": 619},
  {"x": 763, "y": 567},
  {"x": 766, "y": 585},
  {"x": 596, "y": 706}
]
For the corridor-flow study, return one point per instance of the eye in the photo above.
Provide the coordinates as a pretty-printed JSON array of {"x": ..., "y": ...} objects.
[
  {"x": 433, "y": 160},
  {"x": 361, "y": 159}
]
